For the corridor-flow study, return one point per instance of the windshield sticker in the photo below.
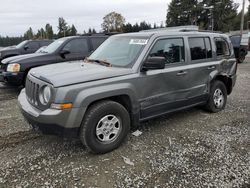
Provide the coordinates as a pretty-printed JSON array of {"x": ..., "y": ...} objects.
[{"x": 138, "y": 41}]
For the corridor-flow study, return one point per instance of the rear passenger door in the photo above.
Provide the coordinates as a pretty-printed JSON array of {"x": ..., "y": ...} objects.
[
  {"x": 202, "y": 64},
  {"x": 78, "y": 49}
]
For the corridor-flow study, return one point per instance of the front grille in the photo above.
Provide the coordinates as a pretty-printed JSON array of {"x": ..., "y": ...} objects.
[
  {"x": 32, "y": 91},
  {"x": 3, "y": 67}
]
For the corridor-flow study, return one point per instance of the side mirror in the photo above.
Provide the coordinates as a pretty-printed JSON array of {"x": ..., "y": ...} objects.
[
  {"x": 153, "y": 63},
  {"x": 25, "y": 47},
  {"x": 64, "y": 52}
]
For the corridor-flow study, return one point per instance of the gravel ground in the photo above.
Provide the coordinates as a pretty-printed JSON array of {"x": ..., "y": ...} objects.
[{"x": 190, "y": 148}]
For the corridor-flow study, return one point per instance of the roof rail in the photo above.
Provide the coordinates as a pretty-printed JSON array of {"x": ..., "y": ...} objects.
[
  {"x": 100, "y": 34},
  {"x": 184, "y": 28}
]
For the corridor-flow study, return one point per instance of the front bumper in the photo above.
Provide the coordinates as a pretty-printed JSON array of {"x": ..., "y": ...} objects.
[
  {"x": 12, "y": 77},
  {"x": 59, "y": 122}
]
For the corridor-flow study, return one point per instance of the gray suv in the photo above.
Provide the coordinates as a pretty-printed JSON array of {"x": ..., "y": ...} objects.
[{"x": 128, "y": 79}]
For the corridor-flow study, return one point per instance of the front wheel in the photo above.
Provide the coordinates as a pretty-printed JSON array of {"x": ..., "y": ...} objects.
[
  {"x": 217, "y": 97},
  {"x": 105, "y": 126}
]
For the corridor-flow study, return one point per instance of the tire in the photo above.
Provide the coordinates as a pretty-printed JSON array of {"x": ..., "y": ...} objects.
[
  {"x": 241, "y": 57},
  {"x": 97, "y": 131},
  {"x": 217, "y": 98}
]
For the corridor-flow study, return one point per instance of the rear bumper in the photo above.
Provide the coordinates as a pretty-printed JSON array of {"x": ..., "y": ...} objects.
[
  {"x": 234, "y": 78},
  {"x": 50, "y": 121},
  {"x": 12, "y": 77}
]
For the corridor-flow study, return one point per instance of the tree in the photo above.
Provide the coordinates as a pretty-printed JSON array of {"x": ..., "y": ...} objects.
[
  {"x": 49, "y": 31},
  {"x": 113, "y": 22},
  {"x": 90, "y": 31},
  {"x": 192, "y": 12},
  {"x": 29, "y": 34},
  {"x": 63, "y": 28},
  {"x": 73, "y": 30},
  {"x": 93, "y": 31},
  {"x": 181, "y": 12},
  {"x": 41, "y": 34}
]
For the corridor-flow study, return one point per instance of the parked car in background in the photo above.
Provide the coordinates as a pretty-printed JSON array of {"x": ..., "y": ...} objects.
[
  {"x": 15, "y": 69},
  {"x": 128, "y": 79},
  {"x": 240, "y": 44},
  {"x": 25, "y": 47}
]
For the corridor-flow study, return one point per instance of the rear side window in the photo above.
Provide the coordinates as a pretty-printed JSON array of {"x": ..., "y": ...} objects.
[
  {"x": 222, "y": 47},
  {"x": 171, "y": 49},
  {"x": 77, "y": 46},
  {"x": 97, "y": 41},
  {"x": 200, "y": 48}
]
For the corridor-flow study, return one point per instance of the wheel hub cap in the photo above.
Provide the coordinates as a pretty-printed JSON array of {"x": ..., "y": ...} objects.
[
  {"x": 108, "y": 128},
  {"x": 218, "y": 98}
]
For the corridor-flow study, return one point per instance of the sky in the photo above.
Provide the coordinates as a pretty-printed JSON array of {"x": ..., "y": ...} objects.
[{"x": 16, "y": 16}]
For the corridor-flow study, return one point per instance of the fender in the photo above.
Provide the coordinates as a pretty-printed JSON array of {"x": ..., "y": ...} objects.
[{"x": 88, "y": 96}]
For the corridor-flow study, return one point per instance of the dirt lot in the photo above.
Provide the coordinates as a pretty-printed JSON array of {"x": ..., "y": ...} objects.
[{"x": 191, "y": 148}]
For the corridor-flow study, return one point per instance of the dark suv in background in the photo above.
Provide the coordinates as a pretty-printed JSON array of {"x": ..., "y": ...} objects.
[
  {"x": 15, "y": 69},
  {"x": 25, "y": 47},
  {"x": 240, "y": 47}
]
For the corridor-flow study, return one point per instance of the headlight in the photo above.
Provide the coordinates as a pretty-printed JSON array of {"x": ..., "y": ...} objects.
[
  {"x": 45, "y": 95},
  {"x": 13, "y": 67}
]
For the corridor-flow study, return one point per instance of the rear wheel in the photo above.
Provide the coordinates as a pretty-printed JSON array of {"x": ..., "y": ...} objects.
[
  {"x": 217, "y": 97},
  {"x": 241, "y": 57},
  {"x": 105, "y": 126}
]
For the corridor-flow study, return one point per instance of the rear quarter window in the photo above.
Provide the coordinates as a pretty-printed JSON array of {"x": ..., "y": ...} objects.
[{"x": 222, "y": 47}]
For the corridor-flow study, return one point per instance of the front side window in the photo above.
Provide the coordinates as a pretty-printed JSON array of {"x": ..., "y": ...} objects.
[
  {"x": 77, "y": 46},
  {"x": 222, "y": 47},
  {"x": 54, "y": 46},
  {"x": 171, "y": 49},
  {"x": 120, "y": 51},
  {"x": 22, "y": 44}
]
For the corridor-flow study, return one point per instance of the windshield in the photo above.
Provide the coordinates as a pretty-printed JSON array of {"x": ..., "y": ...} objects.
[
  {"x": 120, "y": 51},
  {"x": 20, "y": 45},
  {"x": 54, "y": 46}
]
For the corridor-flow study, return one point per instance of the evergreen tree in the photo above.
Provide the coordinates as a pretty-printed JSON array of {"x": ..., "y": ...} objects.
[
  {"x": 49, "y": 31},
  {"x": 63, "y": 28},
  {"x": 73, "y": 30},
  {"x": 192, "y": 12},
  {"x": 29, "y": 34},
  {"x": 90, "y": 31},
  {"x": 93, "y": 31}
]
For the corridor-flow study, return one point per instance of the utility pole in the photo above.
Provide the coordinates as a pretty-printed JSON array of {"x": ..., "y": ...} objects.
[{"x": 242, "y": 17}]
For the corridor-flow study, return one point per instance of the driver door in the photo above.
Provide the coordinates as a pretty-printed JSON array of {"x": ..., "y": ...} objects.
[{"x": 166, "y": 89}]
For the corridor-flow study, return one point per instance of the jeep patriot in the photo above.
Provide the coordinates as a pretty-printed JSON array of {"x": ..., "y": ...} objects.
[{"x": 128, "y": 79}]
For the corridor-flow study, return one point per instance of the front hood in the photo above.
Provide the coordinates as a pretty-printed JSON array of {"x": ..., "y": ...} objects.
[
  {"x": 74, "y": 72},
  {"x": 9, "y": 51},
  {"x": 9, "y": 48},
  {"x": 22, "y": 58}
]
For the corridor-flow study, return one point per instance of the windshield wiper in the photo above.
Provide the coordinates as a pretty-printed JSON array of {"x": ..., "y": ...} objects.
[{"x": 99, "y": 61}]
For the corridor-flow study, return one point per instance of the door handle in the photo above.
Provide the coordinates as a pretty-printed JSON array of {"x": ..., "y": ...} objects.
[
  {"x": 181, "y": 73},
  {"x": 211, "y": 67}
]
